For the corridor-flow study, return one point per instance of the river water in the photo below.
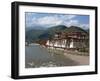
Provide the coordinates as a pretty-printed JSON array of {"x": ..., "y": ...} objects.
[{"x": 38, "y": 56}]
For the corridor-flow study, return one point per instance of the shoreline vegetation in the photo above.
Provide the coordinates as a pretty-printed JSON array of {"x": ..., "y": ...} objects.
[
  {"x": 65, "y": 51},
  {"x": 61, "y": 50}
]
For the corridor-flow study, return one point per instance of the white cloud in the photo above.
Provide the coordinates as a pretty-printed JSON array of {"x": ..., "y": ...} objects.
[
  {"x": 67, "y": 17},
  {"x": 52, "y": 20},
  {"x": 84, "y": 26},
  {"x": 72, "y": 22},
  {"x": 77, "y": 23},
  {"x": 49, "y": 21}
]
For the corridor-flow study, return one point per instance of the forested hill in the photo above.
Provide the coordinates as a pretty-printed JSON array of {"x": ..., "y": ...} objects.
[{"x": 33, "y": 35}]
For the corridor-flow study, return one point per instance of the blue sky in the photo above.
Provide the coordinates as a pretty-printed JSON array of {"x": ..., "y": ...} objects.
[{"x": 47, "y": 20}]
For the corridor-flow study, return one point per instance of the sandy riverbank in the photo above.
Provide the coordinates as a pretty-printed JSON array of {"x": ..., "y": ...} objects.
[
  {"x": 81, "y": 60},
  {"x": 74, "y": 56}
]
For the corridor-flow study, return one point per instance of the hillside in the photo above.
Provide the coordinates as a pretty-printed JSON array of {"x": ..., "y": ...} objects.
[
  {"x": 49, "y": 33},
  {"x": 34, "y": 35},
  {"x": 75, "y": 29}
]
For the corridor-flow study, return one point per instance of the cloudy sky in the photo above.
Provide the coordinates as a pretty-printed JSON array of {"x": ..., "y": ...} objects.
[{"x": 47, "y": 20}]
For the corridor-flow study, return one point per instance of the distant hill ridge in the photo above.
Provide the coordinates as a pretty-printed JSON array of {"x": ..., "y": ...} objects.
[
  {"x": 34, "y": 35},
  {"x": 75, "y": 29}
]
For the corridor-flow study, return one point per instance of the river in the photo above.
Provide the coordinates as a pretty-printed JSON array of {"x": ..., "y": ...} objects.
[{"x": 38, "y": 56}]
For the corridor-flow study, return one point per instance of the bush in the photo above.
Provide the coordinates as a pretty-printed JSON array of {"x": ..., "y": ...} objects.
[{"x": 84, "y": 50}]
